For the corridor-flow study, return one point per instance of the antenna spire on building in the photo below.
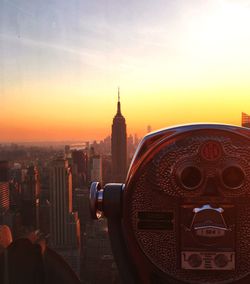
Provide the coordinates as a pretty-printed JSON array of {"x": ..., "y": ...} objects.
[{"x": 119, "y": 103}]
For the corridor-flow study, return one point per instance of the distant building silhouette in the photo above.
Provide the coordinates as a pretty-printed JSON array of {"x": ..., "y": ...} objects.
[
  {"x": 119, "y": 145},
  {"x": 136, "y": 140},
  {"x": 149, "y": 129},
  {"x": 106, "y": 168},
  {"x": 245, "y": 120},
  {"x": 130, "y": 147}
]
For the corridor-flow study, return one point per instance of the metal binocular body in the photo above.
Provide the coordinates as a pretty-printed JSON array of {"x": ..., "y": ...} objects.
[{"x": 183, "y": 214}]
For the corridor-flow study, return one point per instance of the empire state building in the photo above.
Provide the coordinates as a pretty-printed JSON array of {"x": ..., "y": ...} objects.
[{"x": 119, "y": 145}]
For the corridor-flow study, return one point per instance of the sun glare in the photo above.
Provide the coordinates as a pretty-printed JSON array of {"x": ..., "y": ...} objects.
[{"x": 221, "y": 32}]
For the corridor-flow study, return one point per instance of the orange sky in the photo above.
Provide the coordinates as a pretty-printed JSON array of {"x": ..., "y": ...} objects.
[{"x": 176, "y": 63}]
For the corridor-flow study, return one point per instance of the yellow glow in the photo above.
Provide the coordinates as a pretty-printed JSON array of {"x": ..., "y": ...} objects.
[{"x": 196, "y": 70}]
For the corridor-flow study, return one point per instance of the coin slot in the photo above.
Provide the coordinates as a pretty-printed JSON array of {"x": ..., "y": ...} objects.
[{"x": 155, "y": 220}]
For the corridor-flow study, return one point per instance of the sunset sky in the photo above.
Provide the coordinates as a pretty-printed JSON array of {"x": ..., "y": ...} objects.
[{"x": 176, "y": 62}]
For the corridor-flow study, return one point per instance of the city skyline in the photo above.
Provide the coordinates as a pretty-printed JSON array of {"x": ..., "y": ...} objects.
[{"x": 61, "y": 64}]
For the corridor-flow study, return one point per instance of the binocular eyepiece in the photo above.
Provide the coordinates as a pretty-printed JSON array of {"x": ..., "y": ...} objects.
[{"x": 182, "y": 215}]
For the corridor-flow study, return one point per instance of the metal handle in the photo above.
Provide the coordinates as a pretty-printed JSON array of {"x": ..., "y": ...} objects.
[{"x": 96, "y": 200}]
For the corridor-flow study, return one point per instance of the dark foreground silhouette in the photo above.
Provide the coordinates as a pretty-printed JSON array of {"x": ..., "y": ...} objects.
[{"x": 24, "y": 262}]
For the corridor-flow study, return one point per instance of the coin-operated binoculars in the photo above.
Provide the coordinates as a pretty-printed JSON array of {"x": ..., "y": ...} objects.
[{"x": 183, "y": 215}]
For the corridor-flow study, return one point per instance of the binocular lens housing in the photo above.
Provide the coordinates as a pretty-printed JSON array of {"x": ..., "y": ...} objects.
[
  {"x": 191, "y": 177},
  {"x": 233, "y": 177}
]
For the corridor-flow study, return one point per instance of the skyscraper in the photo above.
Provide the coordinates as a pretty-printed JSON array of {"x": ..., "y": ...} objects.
[
  {"x": 4, "y": 193},
  {"x": 119, "y": 145},
  {"x": 96, "y": 168},
  {"x": 61, "y": 201},
  {"x": 30, "y": 197},
  {"x": 64, "y": 223},
  {"x": 4, "y": 186},
  {"x": 79, "y": 168}
]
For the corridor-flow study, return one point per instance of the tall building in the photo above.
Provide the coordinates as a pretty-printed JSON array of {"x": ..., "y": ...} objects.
[
  {"x": 79, "y": 168},
  {"x": 4, "y": 186},
  {"x": 119, "y": 145},
  {"x": 245, "y": 120},
  {"x": 30, "y": 191},
  {"x": 61, "y": 201},
  {"x": 96, "y": 168},
  {"x": 64, "y": 223},
  {"x": 5, "y": 216}
]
